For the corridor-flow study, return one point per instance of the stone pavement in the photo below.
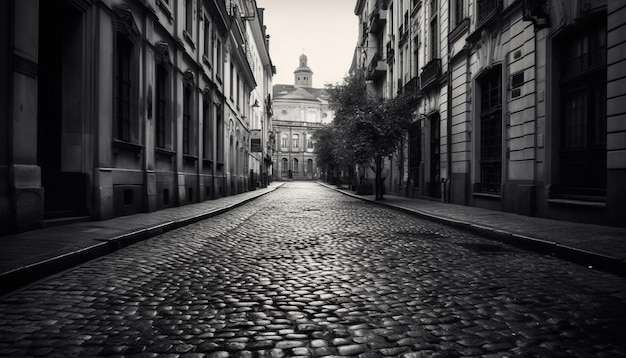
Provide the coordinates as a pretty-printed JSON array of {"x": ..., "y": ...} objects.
[
  {"x": 33, "y": 255},
  {"x": 596, "y": 246},
  {"x": 306, "y": 271}
]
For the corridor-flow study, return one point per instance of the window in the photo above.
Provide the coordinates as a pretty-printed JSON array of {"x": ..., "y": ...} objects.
[
  {"x": 491, "y": 131},
  {"x": 294, "y": 140},
  {"x": 188, "y": 16},
  {"x": 123, "y": 85},
  {"x": 219, "y": 62},
  {"x": 294, "y": 165},
  {"x": 161, "y": 107},
  {"x": 207, "y": 138},
  {"x": 434, "y": 37},
  {"x": 309, "y": 166},
  {"x": 187, "y": 120},
  {"x": 416, "y": 57},
  {"x": 309, "y": 141},
  {"x": 285, "y": 165},
  {"x": 231, "y": 84},
  {"x": 284, "y": 140},
  {"x": 458, "y": 12},
  {"x": 219, "y": 134},
  {"x": 582, "y": 152},
  {"x": 207, "y": 39}
]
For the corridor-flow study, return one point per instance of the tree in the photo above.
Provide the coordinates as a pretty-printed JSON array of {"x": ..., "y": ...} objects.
[{"x": 370, "y": 128}]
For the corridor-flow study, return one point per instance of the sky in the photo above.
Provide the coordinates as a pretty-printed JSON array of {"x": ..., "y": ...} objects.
[{"x": 326, "y": 31}]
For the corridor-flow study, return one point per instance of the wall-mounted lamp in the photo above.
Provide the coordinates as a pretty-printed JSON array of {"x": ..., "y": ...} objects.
[{"x": 256, "y": 104}]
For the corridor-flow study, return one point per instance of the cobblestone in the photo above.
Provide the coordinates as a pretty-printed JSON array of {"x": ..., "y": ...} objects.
[{"x": 306, "y": 271}]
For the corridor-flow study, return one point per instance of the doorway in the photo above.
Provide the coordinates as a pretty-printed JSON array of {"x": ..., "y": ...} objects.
[
  {"x": 60, "y": 110},
  {"x": 435, "y": 157}
]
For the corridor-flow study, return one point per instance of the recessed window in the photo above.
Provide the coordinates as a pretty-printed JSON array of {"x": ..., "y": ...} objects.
[
  {"x": 188, "y": 16},
  {"x": 491, "y": 131}
]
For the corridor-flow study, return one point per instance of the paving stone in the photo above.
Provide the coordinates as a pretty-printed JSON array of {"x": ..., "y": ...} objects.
[{"x": 322, "y": 269}]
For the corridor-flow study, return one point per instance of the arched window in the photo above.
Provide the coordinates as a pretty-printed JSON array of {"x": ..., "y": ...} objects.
[
  {"x": 127, "y": 35},
  {"x": 294, "y": 165},
  {"x": 285, "y": 167},
  {"x": 284, "y": 140},
  {"x": 294, "y": 140}
]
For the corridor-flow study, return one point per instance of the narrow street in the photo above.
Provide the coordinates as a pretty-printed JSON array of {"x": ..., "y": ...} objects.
[{"x": 307, "y": 271}]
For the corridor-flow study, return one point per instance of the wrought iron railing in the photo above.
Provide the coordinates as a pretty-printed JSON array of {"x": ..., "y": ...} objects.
[
  {"x": 430, "y": 72},
  {"x": 487, "y": 9}
]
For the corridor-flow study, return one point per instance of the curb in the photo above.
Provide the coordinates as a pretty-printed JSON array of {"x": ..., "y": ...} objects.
[
  {"x": 590, "y": 259},
  {"x": 23, "y": 276}
]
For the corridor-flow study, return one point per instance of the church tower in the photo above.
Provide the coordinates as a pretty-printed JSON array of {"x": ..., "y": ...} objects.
[{"x": 303, "y": 76}]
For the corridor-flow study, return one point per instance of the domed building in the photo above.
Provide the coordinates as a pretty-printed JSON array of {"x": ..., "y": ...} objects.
[{"x": 299, "y": 110}]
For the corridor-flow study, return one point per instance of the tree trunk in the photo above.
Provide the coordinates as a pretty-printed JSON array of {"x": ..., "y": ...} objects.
[{"x": 378, "y": 164}]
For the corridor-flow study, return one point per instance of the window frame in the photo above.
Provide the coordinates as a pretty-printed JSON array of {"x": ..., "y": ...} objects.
[{"x": 490, "y": 119}]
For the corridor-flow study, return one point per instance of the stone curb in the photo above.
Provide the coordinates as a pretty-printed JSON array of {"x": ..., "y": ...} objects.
[
  {"x": 590, "y": 259},
  {"x": 23, "y": 276}
]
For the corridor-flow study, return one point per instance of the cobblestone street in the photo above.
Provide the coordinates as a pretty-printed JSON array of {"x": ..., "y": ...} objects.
[{"x": 307, "y": 271}]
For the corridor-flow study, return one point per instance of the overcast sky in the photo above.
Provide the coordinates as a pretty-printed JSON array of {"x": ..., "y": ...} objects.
[{"x": 325, "y": 30}]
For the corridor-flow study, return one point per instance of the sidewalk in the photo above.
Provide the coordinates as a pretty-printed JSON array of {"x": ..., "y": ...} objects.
[
  {"x": 595, "y": 246},
  {"x": 32, "y": 255}
]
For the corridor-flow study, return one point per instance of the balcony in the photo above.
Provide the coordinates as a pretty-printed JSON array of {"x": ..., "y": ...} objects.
[
  {"x": 487, "y": 10},
  {"x": 377, "y": 20},
  {"x": 377, "y": 68},
  {"x": 412, "y": 86},
  {"x": 430, "y": 73},
  {"x": 390, "y": 50}
]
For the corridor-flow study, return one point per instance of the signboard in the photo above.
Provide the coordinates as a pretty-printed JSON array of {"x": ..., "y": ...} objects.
[{"x": 255, "y": 141}]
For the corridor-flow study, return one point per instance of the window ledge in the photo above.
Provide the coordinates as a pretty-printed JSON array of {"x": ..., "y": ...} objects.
[
  {"x": 578, "y": 203},
  {"x": 166, "y": 9},
  {"x": 487, "y": 196},
  {"x": 122, "y": 144},
  {"x": 207, "y": 62},
  {"x": 190, "y": 158},
  {"x": 189, "y": 40},
  {"x": 164, "y": 152}
]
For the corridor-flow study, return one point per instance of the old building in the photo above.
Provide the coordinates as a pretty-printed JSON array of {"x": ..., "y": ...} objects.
[
  {"x": 299, "y": 110},
  {"x": 117, "y": 107},
  {"x": 520, "y": 103}
]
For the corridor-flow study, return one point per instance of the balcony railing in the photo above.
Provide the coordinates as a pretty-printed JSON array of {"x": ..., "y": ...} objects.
[
  {"x": 377, "y": 20},
  {"x": 487, "y": 10},
  {"x": 412, "y": 86},
  {"x": 430, "y": 73},
  {"x": 376, "y": 67}
]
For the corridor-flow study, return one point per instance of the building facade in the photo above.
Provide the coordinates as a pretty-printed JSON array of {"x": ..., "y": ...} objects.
[
  {"x": 299, "y": 110},
  {"x": 519, "y": 103},
  {"x": 117, "y": 107}
]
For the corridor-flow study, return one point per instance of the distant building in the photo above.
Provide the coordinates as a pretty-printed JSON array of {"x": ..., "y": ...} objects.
[
  {"x": 110, "y": 108},
  {"x": 299, "y": 110}
]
